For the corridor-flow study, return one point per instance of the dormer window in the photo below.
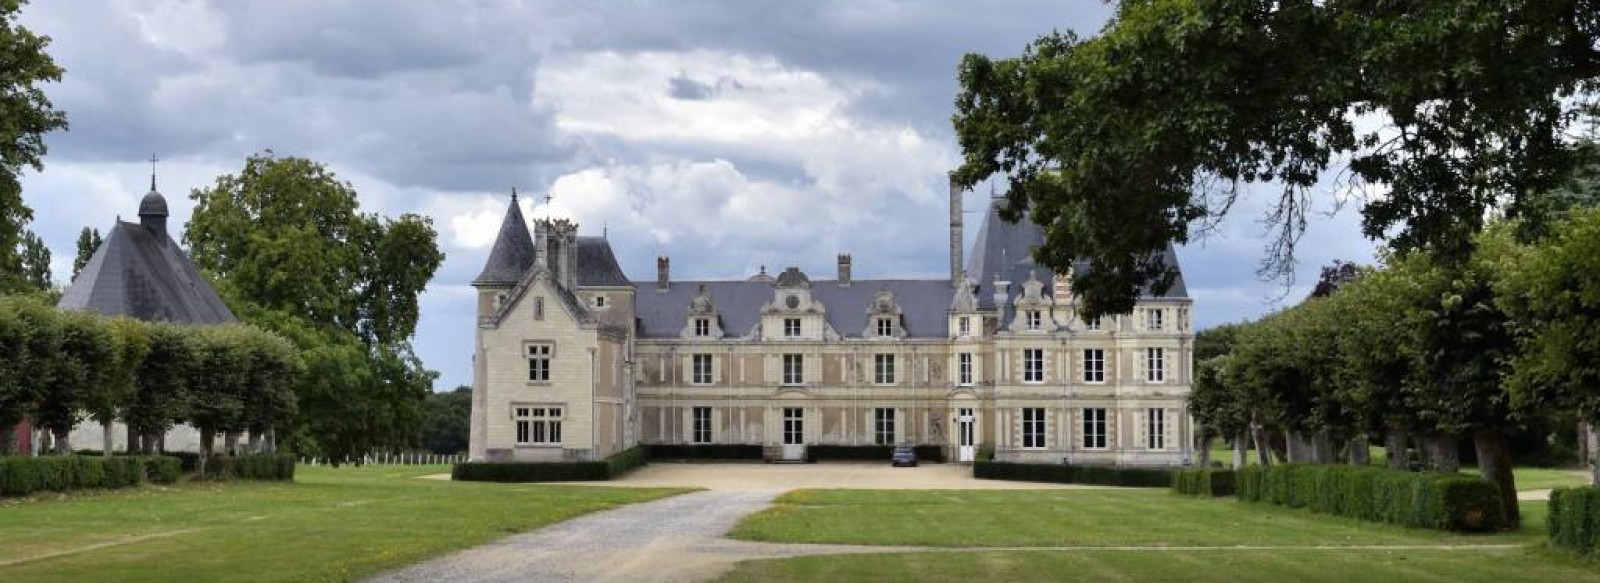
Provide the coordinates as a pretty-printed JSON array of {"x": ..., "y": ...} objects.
[
  {"x": 1092, "y": 324},
  {"x": 702, "y": 327},
  {"x": 964, "y": 326},
  {"x": 1033, "y": 319},
  {"x": 885, "y": 327},
  {"x": 1153, "y": 319},
  {"x": 600, "y": 302},
  {"x": 791, "y": 327}
]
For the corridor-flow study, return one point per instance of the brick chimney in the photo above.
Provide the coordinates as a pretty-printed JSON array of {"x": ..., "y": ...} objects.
[
  {"x": 663, "y": 273},
  {"x": 844, "y": 270}
]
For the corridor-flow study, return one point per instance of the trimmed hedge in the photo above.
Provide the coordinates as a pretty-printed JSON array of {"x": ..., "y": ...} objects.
[
  {"x": 874, "y": 453},
  {"x": 583, "y": 471},
  {"x": 1065, "y": 474},
  {"x": 21, "y": 476},
  {"x": 704, "y": 452},
  {"x": 278, "y": 467},
  {"x": 1575, "y": 518},
  {"x": 1207, "y": 482},
  {"x": 1428, "y": 500}
]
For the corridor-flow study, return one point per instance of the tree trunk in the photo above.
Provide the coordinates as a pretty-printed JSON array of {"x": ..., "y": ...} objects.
[
  {"x": 135, "y": 446},
  {"x": 1360, "y": 452},
  {"x": 253, "y": 446},
  {"x": 1494, "y": 462},
  {"x": 1205, "y": 450},
  {"x": 63, "y": 443},
  {"x": 107, "y": 439},
  {"x": 1240, "y": 444},
  {"x": 272, "y": 440},
  {"x": 230, "y": 442},
  {"x": 1321, "y": 446},
  {"x": 1444, "y": 454},
  {"x": 1592, "y": 441},
  {"x": 1298, "y": 449},
  {"x": 1263, "y": 447},
  {"x": 1394, "y": 446},
  {"x": 208, "y": 442}
]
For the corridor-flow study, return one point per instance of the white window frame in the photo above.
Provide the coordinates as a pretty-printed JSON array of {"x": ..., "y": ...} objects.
[
  {"x": 794, "y": 369},
  {"x": 964, "y": 369},
  {"x": 883, "y": 369},
  {"x": 1033, "y": 428},
  {"x": 794, "y": 419},
  {"x": 964, "y": 326},
  {"x": 1094, "y": 369},
  {"x": 600, "y": 302},
  {"x": 1155, "y": 365},
  {"x": 540, "y": 355},
  {"x": 885, "y": 327},
  {"x": 700, "y": 425},
  {"x": 883, "y": 426},
  {"x": 1154, "y": 319},
  {"x": 1155, "y": 429},
  {"x": 537, "y": 425},
  {"x": 702, "y": 327},
  {"x": 700, "y": 367},
  {"x": 791, "y": 327},
  {"x": 1094, "y": 428},
  {"x": 1033, "y": 319},
  {"x": 1091, "y": 324},
  {"x": 1033, "y": 365}
]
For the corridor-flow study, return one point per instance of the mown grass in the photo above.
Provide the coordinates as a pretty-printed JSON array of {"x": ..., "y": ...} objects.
[{"x": 330, "y": 525}]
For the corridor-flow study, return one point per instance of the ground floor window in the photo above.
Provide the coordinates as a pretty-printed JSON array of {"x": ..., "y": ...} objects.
[
  {"x": 883, "y": 426},
  {"x": 793, "y": 426},
  {"x": 537, "y": 425},
  {"x": 1033, "y": 427},
  {"x": 701, "y": 428},
  {"x": 1157, "y": 434},
  {"x": 1094, "y": 428}
]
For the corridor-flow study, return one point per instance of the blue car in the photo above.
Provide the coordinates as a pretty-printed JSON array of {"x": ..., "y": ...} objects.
[{"x": 904, "y": 455}]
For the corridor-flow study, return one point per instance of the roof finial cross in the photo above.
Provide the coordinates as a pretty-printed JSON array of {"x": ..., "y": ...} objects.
[
  {"x": 153, "y": 160},
  {"x": 513, "y": 193}
]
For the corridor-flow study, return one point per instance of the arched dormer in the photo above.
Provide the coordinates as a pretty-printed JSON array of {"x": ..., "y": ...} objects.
[
  {"x": 793, "y": 314},
  {"x": 1033, "y": 308},
  {"x": 702, "y": 320},
  {"x": 884, "y": 319}
]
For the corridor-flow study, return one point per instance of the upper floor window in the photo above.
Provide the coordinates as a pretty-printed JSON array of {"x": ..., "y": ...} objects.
[
  {"x": 1033, "y": 319},
  {"x": 1094, "y": 365},
  {"x": 701, "y": 368},
  {"x": 1033, "y": 365},
  {"x": 1153, "y": 319},
  {"x": 1092, "y": 324},
  {"x": 794, "y": 371},
  {"x": 537, "y": 425},
  {"x": 791, "y": 327},
  {"x": 964, "y": 326},
  {"x": 883, "y": 369},
  {"x": 539, "y": 361},
  {"x": 599, "y": 301},
  {"x": 1094, "y": 428},
  {"x": 885, "y": 327},
  {"x": 702, "y": 327},
  {"x": 964, "y": 368},
  {"x": 1155, "y": 365},
  {"x": 1033, "y": 428}
]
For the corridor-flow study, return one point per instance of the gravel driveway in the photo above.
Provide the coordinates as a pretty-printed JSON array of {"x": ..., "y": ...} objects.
[{"x": 673, "y": 539}]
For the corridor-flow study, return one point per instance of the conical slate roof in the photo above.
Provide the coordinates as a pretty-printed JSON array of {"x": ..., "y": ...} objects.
[
  {"x": 513, "y": 251},
  {"x": 142, "y": 275}
]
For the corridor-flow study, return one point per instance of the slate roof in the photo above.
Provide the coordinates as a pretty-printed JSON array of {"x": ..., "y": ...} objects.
[
  {"x": 513, "y": 251},
  {"x": 1006, "y": 249},
  {"x": 925, "y": 305},
  {"x": 597, "y": 265},
  {"x": 139, "y": 274}
]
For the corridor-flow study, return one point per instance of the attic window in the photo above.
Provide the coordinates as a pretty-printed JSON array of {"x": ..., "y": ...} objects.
[
  {"x": 885, "y": 327},
  {"x": 702, "y": 327},
  {"x": 964, "y": 326},
  {"x": 538, "y": 308},
  {"x": 599, "y": 301},
  {"x": 791, "y": 327},
  {"x": 1034, "y": 320}
]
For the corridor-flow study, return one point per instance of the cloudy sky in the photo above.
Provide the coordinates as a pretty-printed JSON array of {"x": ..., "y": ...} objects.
[{"x": 727, "y": 135}]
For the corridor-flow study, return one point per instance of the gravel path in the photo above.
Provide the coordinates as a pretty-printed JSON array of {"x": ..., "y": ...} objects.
[{"x": 673, "y": 539}]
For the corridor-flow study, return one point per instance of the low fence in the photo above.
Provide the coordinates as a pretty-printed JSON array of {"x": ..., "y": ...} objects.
[{"x": 390, "y": 459}]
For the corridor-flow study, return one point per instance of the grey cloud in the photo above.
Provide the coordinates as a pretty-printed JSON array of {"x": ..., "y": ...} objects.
[{"x": 680, "y": 86}]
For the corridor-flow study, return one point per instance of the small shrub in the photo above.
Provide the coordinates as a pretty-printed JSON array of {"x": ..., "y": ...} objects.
[
  {"x": 21, "y": 476},
  {"x": 580, "y": 471},
  {"x": 265, "y": 467},
  {"x": 1427, "y": 500},
  {"x": 1574, "y": 521},
  {"x": 1065, "y": 474},
  {"x": 724, "y": 451},
  {"x": 162, "y": 469},
  {"x": 1207, "y": 482}
]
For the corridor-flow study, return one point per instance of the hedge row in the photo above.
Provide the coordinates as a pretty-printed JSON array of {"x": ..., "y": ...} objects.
[
  {"x": 1429, "y": 500},
  {"x": 586, "y": 471},
  {"x": 1065, "y": 474},
  {"x": 265, "y": 466},
  {"x": 1575, "y": 518},
  {"x": 876, "y": 453},
  {"x": 21, "y": 476},
  {"x": 728, "y": 451},
  {"x": 1204, "y": 482}
]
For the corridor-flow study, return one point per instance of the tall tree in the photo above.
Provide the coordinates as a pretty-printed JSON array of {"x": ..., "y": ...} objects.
[
  {"x": 88, "y": 241},
  {"x": 33, "y": 265},
  {"x": 27, "y": 116},
  {"x": 1123, "y": 143},
  {"x": 448, "y": 421}
]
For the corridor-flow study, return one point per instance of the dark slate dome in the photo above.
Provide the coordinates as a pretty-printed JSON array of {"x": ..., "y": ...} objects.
[{"x": 153, "y": 205}]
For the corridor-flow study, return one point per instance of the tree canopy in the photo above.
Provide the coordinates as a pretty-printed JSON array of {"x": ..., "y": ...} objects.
[{"x": 28, "y": 115}]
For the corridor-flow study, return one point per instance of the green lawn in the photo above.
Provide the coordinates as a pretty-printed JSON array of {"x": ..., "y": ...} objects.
[
  {"x": 331, "y": 524},
  {"x": 1096, "y": 521}
]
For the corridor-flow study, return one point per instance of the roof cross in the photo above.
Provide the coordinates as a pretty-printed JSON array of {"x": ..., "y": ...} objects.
[{"x": 153, "y": 160}]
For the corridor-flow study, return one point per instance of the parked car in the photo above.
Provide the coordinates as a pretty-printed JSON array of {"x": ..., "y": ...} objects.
[{"x": 904, "y": 455}]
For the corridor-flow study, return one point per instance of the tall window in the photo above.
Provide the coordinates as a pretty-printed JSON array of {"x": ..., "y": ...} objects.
[
  {"x": 702, "y": 327},
  {"x": 1092, "y": 324},
  {"x": 794, "y": 432},
  {"x": 539, "y": 362},
  {"x": 1155, "y": 365},
  {"x": 791, "y": 327},
  {"x": 537, "y": 425},
  {"x": 1156, "y": 436},
  {"x": 701, "y": 426},
  {"x": 1033, "y": 365},
  {"x": 1152, "y": 318},
  {"x": 885, "y": 327},
  {"x": 964, "y": 368},
  {"x": 883, "y": 426},
  {"x": 1034, "y": 319},
  {"x": 883, "y": 369},
  {"x": 702, "y": 369},
  {"x": 1094, "y": 428},
  {"x": 794, "y": 371},
  {"x": 1033, "y": 427},
  {"x": 964, "y": 326},
  {"x": 1094, "y": 365}
]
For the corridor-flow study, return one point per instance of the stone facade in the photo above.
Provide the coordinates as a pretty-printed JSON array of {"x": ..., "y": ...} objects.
[{"x": 1000, "y": 360}]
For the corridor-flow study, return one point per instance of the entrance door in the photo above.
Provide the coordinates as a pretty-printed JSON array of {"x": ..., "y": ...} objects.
[
  {"x": 966, "y": 449},
  {"x": 794, "y": 434}
]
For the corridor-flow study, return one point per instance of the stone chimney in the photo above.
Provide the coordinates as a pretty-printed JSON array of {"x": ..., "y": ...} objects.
[
  {"x": 1002, "y": 293},
  {"x": 844, "y": 270},
  {"x": 955, "y": 233},
  {"x": 663, "y": 273}
]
